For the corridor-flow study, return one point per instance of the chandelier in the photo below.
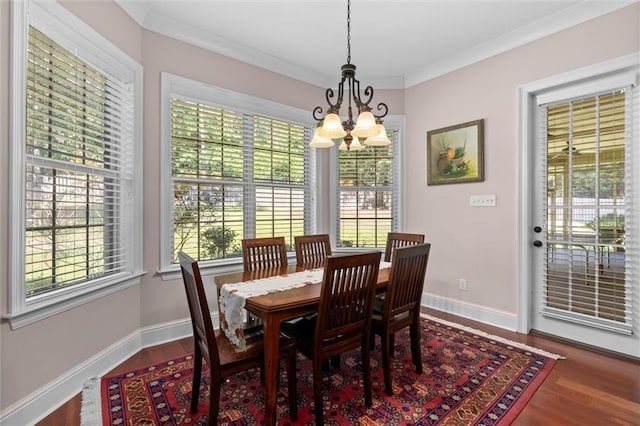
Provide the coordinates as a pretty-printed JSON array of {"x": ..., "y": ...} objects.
[{"x": 368, "y": 125}]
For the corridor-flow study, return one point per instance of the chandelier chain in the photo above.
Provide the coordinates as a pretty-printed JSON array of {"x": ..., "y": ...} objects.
[{"x": 349, "y": 31}]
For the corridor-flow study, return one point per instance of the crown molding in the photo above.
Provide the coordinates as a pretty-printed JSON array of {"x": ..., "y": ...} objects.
[{"x": 536, "y": 30}]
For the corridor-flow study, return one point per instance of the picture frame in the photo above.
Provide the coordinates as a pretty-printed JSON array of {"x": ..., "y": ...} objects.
[{"x": 455, "y": 154}]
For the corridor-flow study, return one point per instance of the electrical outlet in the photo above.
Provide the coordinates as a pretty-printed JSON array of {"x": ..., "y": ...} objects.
[
  {"x": 482, "y": 200},
  {"x": 462, "y": 284}
]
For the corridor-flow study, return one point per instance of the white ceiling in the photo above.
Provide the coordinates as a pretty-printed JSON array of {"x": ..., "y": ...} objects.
[{"x": 394, "y": 43}]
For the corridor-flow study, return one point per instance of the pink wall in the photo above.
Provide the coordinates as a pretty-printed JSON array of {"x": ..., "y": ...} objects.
[{"x": 479, "y": 244}]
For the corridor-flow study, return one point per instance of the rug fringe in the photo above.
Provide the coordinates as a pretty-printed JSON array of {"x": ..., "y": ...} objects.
[
  {"x": 90, "y": 411},
  {"x": 493, "y": 337}
]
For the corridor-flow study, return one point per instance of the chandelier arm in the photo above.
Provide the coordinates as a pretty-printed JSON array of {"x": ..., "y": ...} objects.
[
  {"x": 381, "y": 107},
  {"x": 340, "y": 94},
  {"x": 368, "y": 93},
  {"x": 317, "y": 113},
  {"x": 329, "y": 94}
]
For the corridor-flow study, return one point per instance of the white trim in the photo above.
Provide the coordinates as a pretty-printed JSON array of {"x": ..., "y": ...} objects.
[
  {"x": 582, "y": 12},
  {"x": 484, "y": 314},
  {"x": 524, "y": 223},
  {"x": 590, "y": 87},
  {"x": 527, "y": 107},
  {"x": 567, "y": 18},
  {"x": 224, "y": 46},
  {"x": 18, "y": 95},
  {"x": 398, "y": 122},
  {"x": 68, "y": 30}
]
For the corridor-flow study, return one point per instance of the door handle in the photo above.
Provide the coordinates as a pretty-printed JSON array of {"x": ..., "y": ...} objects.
[{"x": 537, "y": 243}]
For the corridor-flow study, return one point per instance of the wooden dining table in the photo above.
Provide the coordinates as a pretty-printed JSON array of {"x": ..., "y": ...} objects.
[{"x": 272, "y": 309}]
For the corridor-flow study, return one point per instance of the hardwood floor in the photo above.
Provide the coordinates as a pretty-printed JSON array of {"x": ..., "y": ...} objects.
[{"x": 586, "y": 388}]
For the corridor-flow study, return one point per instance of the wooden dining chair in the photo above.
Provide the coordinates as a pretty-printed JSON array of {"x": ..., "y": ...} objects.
[
  {"x": 401, "y": 306},
  {"x": 343, "y": 320},
  {"x": 264, "y": 253},
  {"x": 400, "y": 239},
  {"x": 312, "y": 250},
  {"x": 394, "y": 241},
  {"x": 222, "y": 356}
]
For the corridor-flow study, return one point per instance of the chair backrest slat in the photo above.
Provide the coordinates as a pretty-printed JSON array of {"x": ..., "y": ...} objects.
[
  {"x": 264, "y": 253},
  {"x": 312, "y": 250},
  {"x": 400, "y": 239}
]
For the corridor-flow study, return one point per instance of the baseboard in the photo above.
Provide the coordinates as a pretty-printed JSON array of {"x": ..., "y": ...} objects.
[
  {"x": 483, "y": 314},
  {"x": 44, "y": 401}
]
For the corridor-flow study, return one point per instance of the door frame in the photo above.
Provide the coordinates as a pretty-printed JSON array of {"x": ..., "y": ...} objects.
[{"x": 527, "y": 108}]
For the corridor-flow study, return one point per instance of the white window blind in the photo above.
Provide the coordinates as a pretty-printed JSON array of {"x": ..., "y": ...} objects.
[
  {"x": 235, "y": 175},
  {"x": 368, "y": 194},
  {"x": 78, "y": 120},
  {"x": 590, "y": 258}
]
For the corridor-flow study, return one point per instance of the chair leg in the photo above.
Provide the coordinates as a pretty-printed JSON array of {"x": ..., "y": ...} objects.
[
  {"x": 416, "y": 352},
  {"x": 335, "y": 361},
  {"x": 392, "y": 345},
  {"x": 195, "y": 384},
  {"x": 317, "y": 391},
  {"x": 385, "y": 340},
  {"x": 325, "y": 365},
  {"x": 214, "y": 399},
  {"x": 292, "y": 382}
]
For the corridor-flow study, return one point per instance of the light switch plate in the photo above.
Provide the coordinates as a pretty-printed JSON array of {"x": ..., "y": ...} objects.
[{"x": 482, "y": 200}]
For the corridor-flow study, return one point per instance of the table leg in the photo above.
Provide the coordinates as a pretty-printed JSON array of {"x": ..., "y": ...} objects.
[{"x": 271, "y": 326}]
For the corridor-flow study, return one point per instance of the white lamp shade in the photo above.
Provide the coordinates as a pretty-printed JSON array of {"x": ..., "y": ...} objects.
[
  {"x": 381, "y": 139},
  {"x": 365, "y": 126},
  {"x": 332, "y": 127},
  {"x": 355, "y": 145},
  {"x": 319, "y": 142}
]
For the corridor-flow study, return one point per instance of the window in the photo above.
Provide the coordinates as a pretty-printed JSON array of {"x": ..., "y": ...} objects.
[
  {"x": 239, "y": 168},
  {"x": 587, "y": 145},
  {"x": 368, "y": 194},
  {"x": 75, "y": 193}
]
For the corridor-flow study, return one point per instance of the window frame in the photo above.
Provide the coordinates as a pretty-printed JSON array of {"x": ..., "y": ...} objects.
[
  {"x": 195, "y": 91},
  {"x": 398, "y": 220},
  {"x": 61, "y": 25}
]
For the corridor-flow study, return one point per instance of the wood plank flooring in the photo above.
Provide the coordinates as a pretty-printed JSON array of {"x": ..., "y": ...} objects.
[{"x": 587, "y": 388}]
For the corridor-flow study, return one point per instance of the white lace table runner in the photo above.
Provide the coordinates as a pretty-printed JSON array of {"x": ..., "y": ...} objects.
[{"x": 234, "y": 296}]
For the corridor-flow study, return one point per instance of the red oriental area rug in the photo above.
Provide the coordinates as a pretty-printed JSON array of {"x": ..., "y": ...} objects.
[{"x": 470, "y": 378}]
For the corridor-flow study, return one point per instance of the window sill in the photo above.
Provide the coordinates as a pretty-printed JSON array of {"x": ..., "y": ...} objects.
[
  {"x": 48, "y": 306},
  {"x": 172, "y": 272},
  {"x": 217, "y": 267}
]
